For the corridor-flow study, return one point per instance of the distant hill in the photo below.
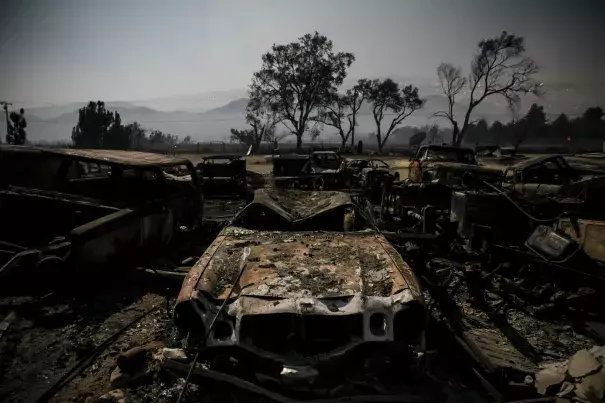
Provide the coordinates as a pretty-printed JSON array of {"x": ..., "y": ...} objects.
[
  {"x": 235, "y": 106},
  {"x": 210, "y": 116},
  {"x": 54, "y": 111},
  {"x": 194, "y": 103},
  {"x": 209, "y": 126}
]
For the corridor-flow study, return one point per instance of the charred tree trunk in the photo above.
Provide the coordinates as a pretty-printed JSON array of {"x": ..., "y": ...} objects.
[
  {"x": 455, "y": 132},
  {"x": 460, "y": 136},
  {"x": 255, "y": 146},
  {"x": 379, "y": 142},
  {"x": 353, "y": 130}
]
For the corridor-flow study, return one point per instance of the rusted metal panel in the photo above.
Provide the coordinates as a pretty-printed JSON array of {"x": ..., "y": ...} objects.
[
  {"x": 100, "y": 240},
  {"x": 288, "y": 265},
  {"x": 496, "y": 352},
  {"x": 404, "y": 268},
  {"x": 191, "y": 281},
  {"x": 107, "y": 242},
  {"x": 590, "y": 235},
  {"x": 297, "y": 204},
  {"x": 110, "y": 156},
  {"x": 121, "y": 156}
]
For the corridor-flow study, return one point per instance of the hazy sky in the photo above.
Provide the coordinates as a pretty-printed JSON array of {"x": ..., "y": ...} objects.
[{"x": 64, "y": 50}]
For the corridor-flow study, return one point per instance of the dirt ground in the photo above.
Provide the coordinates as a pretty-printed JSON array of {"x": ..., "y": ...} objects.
[{"x": 52, "y": 333}]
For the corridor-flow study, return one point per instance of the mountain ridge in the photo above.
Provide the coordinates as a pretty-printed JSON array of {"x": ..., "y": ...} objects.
[{"x": 54, "y": 123}]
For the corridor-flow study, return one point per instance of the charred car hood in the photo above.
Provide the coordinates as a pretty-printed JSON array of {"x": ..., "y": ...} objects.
[{"x": 294, "y": 265}]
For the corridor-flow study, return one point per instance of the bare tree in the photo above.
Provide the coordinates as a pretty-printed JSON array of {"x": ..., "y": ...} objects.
[
  {"x": 354, "y": 98},
  {"x": 262, "y": 120},
  {"x": 387, "y": 98},
  {"x": 340, "y": 111},
  {"x": 499, "y": 69},
  {"x": 334, "y": 113},
  {"x": 452, "y": 83}
]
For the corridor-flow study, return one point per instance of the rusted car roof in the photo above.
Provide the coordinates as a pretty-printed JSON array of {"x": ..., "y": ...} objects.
[
  {"x": 289, "y": 265},
  {"x": 294, "y": 205},
  {"x": 110, "y": 156}
]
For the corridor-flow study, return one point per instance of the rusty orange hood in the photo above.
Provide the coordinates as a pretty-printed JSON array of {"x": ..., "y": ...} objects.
[{"x": 300, "y": 264}]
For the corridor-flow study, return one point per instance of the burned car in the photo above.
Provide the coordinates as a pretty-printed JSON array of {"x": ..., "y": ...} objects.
[
  {"x": 549, "y": 173},
  {"x": 435, "y": 172},
  {"x": 579, "y": 188},
  {"x": 223, "y": 175},
  {"x": 320, "y": 170},
  {"x": 66, "y": 207},
  {"x": 450, "y": 166},
  {"x": 367, "y": 173},
  {"x": 319, "y": 285}
]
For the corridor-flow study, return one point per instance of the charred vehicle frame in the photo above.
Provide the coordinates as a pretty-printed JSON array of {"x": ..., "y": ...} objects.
[
  {"x": 326, "y": 284},
  {"x": 319, "y": 170},
  {"x": 89, "y": 206},
  {"x": 223, "y": 176}
]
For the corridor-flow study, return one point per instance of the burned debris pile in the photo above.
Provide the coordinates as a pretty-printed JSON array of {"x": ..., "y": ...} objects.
[
  {"x": 512, "y": 273},
  {"x": 149, "y": 279}
]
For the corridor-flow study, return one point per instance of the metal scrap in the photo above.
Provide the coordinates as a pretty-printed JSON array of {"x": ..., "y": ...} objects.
[{"x": 5, "y": 324}]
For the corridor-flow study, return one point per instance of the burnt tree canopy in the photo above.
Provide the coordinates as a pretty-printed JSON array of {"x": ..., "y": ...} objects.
[
  {"x": 262, "y": 120},
  {"x": 592, "y": 123},
  {"x": 334, "y": 113},
  {"x": 452, "y": 84},
  {"x": 94, "y": 122},
  {"x": 117, "y": 137},
  {"x": 295, "y": 79},
  {"x": 137, "y": 134},
  {"x": 340, "y": 111},
  {"x": 99, "y": 127},
  {"x": 499, "y": 68},
  {"x": 387, "y": 98}
]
